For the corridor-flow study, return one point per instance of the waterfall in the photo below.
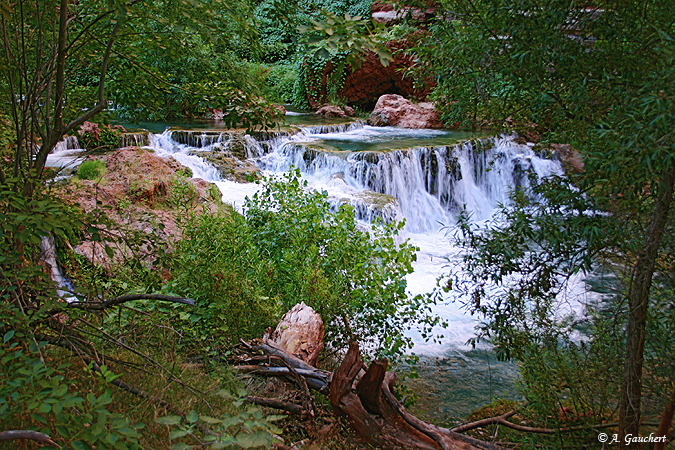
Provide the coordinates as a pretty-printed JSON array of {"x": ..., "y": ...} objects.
[
  {"x": 48, "y": 255},
  {"x": 432, "y": 184},
  {"x": 68, "y": 143},
  {"x": 67, "y": 154},
  {"x": 332, "y": 128},
  {"x": 427, "y": 184},
  {"x": 136, "y": 139}
]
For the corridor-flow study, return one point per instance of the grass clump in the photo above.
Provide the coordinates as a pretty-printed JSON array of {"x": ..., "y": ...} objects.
[{"x": 91, "y": 170}]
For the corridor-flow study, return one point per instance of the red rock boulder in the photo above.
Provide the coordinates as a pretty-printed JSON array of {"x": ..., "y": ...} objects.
[
  {"x": 335, "y": 111},
  {"x": 397, "y": 111}
]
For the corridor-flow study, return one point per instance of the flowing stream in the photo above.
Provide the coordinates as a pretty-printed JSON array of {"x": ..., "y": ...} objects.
[{"x": 423, "y": 176}]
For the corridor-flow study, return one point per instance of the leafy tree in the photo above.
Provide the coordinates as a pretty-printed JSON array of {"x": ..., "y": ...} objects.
[
  {"x": 58, "y": 58},
  {"x": 39, "y": 40},
  {"x": 600, "y": 78},
  {"x": 354, "y": 280}
]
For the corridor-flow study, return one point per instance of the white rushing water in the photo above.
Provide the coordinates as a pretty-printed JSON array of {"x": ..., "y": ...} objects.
[
  {"x": 67, "y": 155},
  {"x": 427, "y": 185}
]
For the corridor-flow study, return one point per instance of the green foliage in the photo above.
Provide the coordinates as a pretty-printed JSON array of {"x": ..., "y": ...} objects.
[
  {"x": 579, "y": 376},
  {"x": 353, "y": 35},
  {"x": 6, "y": 134},
  {"x": 355, "y": 281},
  {"x": 247, "y": 428},
  {"x": 34, "y": 395},
  {"x": 91, "y": 170},
  {"x": 279, "y": 82},
  {"x": 34, "y": 392},
  {"x": 100, "y": 138},
  {"x": 334, "y": 44},
  {"x": 520, "y": 267},
  {"x": 23, "y": 223},
  {"x": 217, "y": 264},
  {"x": 44, "y": 387},
  {"x": 292, "y": 247},
  {"x": 184, "y": 59},
  {"x": 182, "y": 193},
  {"x": 601, "y": 79},
  {"x": 280, "y": 38}
]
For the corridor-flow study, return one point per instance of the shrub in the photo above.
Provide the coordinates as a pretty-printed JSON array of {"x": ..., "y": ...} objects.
[
  {"x": 217, "y": 264},
  {"x": 354, "y": 279},
  {"x": 279, "y": 83},
  {"x": 100, "y": 138},
  {"x": 182, "y": 193},
  {"x": 291, "y": 247},
  {"x": 91, "y": 170}
]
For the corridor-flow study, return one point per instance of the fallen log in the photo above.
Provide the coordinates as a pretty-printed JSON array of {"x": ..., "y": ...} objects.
[
  {"x": 268, "y": 354},
  {"x": 363, "y": 394},
  {"x": 367, "y": 401}
]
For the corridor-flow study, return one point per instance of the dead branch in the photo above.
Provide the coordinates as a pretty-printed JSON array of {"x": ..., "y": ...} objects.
[
  {"x": 309, "y": 409},
  {"x": 314, "y": 380},
  {"x": 99, "y": 306},
  {"x": 11, "y": 435},
  {"x": 364, "y": 396},
  {"x": 483, "y": 422},
  {"x": 501, "y": 420}
]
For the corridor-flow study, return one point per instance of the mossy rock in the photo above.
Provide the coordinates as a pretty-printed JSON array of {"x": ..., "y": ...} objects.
[{"x": 230, "y": 167}]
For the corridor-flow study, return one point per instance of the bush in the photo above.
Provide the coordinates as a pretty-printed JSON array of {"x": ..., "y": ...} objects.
[
  {"x": 218, "y": 265},
  {"x": 91, "y": 170},
  {"x": 100, "y": 138},
  {"x": 279, "y": 83},
  {"x": 292, "y": 247}
]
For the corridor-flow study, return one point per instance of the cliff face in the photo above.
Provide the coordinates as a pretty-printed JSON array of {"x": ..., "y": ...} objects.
[{"x": 364, "y": 84}]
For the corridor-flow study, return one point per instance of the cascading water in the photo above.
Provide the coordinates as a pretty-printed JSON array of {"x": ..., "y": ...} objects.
[
  {"x": 427, "y": 185},
  {"x": 431, "y": 184},
  {"x": 423, "y": 176},
  {"x": 66, "y": 155}
]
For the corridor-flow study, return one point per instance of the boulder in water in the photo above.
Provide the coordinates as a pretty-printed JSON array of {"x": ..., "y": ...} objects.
[
  {"x": 299, "y": 333},
  {"x": 379, "y": 118},
  {"x": 335, "y": 111},
  {"x": 395, "y": 110}
]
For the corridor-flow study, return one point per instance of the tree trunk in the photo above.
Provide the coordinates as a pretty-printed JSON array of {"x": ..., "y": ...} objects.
[
  {"x": 638, "y": 301},
  {"x": 666, "y": 420}
]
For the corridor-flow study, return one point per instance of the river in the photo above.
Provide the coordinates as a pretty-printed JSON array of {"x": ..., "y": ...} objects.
[{"x": 423, "y": 176}]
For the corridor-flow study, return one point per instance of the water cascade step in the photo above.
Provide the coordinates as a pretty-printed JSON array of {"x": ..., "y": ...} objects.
[{"x": 426, "y": 177}]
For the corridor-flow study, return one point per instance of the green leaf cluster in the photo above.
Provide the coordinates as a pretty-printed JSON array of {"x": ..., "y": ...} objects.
[
  {"x": 247, "y": 428},
  {"x": 292, "y": 246}
]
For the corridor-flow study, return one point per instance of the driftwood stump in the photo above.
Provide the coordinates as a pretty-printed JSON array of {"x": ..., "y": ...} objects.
[
  {"x": 299, "y": 333},
  {"x": 367, "y": 401},
  {"x": 362, "y": 394}
]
